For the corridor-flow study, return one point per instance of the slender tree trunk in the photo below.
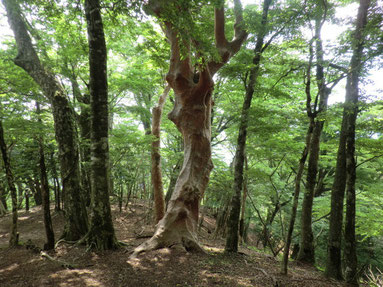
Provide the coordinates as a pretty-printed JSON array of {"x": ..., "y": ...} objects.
[
  {"x": 235, "y": 206},
  {"x": 101, "y": 235},
  {"x": 156, "y": 174},
  {"x": 76, "y": 225},
  {"x": 353, "y": 93},
  {"x": 298, "y": 180},
  {"x": 14, "y": 236},
  {"x": 345, "y": 167},
  {"x": 56, "y": 183},
  {"x": 83, "y": 120},
  {"x": 243, "y": 207},
  {"x": 306, "y": 251},
  {"x": 3, "y": 196},
  {"x": 50, "y": 244}
]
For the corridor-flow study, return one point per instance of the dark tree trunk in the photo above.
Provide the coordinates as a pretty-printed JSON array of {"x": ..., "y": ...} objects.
[
  {"x": 345, "y": 167},
  {"x": 56, "y": 183},
  {"x": 37, "y": 188},
  {"x": 14, "y": 236},
  {"x": 235, "y": 206},
  {"x": 26, "y": 201},
  {"x": 50, "y": 244},
  {"x": 76, "y": 224},
  {"x": 101, "y": 234},
  {"x": 3, "y": 197},
  {"x": 156, "y": 173}
]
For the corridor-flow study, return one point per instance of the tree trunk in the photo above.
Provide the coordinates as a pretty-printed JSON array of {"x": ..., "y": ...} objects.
[
  {"x": 76, "y": 224},
  {"x": 298, "y": 179},
  {"x": 172, "y": 183},
  {"x": 14, "y": 236},
  {"x": 345, "y": 167},
  {"x": 50, "y": 244},
  {"x": 352, "y": 92},
  {"x": 243, "y": 207},
  {"x": 83, "y": 120},
  {"x": 235, "y": 206},
  {"x": 192, "y": 116},
  {"x": 56, "y": 183},
  {"x": 3, "y": 196},
  {"x": 156, "y": 174},
  {"x": 101, "y": 234},
  {"x": 306, "y": 249}
]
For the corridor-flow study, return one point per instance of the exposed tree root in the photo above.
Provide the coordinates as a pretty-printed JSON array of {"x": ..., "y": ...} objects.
[
  {"x": 60, "y": 262},
  {"x": 176, "y": 228}
]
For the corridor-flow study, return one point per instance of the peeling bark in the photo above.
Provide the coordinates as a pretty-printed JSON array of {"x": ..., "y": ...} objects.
[{"x": 192, "y": 116}]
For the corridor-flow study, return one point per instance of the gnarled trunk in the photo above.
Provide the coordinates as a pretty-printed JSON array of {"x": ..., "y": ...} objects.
[{"x": 192, "y": 116}]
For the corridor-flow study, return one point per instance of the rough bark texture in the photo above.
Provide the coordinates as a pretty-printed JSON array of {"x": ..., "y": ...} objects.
[
  {"x": 45, "y": 192},
  {"x": 235, "y": 206},
  {"x": 14, "y": 236},
  {"x": 345, "y": 167},
  {"x": 191, "y": 114},
  {"x": 76, "y": 224},
  {"x": 101, "y": 235},
  {"x": 156, "y": 174}
]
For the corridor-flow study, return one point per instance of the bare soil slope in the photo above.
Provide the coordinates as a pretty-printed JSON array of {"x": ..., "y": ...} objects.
[{"x": 165, "y": 267}]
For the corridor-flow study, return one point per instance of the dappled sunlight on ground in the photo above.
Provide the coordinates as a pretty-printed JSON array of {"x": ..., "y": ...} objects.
[{"x": 164, "y": 267}]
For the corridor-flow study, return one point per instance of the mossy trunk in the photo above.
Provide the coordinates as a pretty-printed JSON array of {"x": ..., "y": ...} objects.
[
  {"x": 101, "y": 235},
  {"x": 76, "y": 219}
]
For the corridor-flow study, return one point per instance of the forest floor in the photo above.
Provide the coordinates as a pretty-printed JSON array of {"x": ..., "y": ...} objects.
[{"x": 165, "y": 267}]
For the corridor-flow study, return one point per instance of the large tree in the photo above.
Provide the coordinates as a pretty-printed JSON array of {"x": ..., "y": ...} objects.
[
  {"x": 101, "y": 234},
  {"x": 191, "y": 113},
  {"x": 27, "y": 58}
]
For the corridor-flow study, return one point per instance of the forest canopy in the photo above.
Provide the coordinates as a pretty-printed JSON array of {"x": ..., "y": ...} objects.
[{"x": 264, "y": 115}]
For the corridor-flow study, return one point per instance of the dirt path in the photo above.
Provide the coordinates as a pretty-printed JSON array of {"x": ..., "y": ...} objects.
[{"x": 165, "y": 267}]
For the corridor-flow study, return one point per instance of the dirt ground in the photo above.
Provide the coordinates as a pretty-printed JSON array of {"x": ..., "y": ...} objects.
[{"x": 165, "y": 267}]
